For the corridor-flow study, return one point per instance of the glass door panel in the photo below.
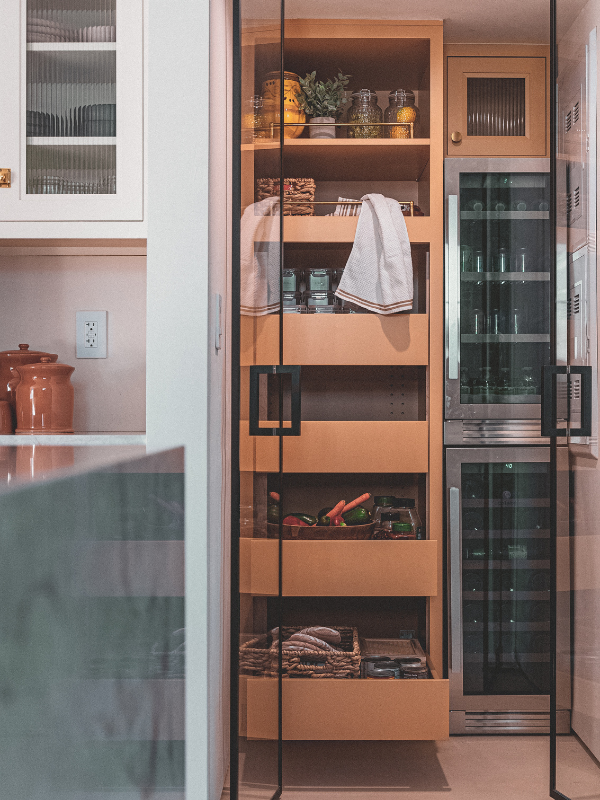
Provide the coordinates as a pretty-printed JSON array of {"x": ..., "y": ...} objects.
[
  {"x": 256, "y": 715},
  {"x": 500, "y": 579},
  {"x": 501, "y": 283},
  {"x": 71, "y": 97}
]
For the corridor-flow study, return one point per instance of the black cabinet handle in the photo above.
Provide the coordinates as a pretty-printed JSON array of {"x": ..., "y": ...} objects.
[
  {"x": 274, "y": 369},
  {"x": 586, "y": 401},
  {"x": 549, "y": 401}
]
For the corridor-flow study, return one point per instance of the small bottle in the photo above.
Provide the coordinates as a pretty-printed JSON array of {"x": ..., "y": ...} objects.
[
  {"x": 477, "y": 321},
  {"x": 515, "y": 321},
  {"x": 500, "y": 206},
  {"x": 522, "y": 260},
  {"x": 519, "y": 204},
  {"x": 494, "y": 325},
  {"x": 479, "y": 261},
  {"x": 503, "y": 260}
]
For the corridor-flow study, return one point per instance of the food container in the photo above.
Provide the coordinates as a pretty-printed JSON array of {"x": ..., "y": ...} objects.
[
  {"x": 318, "y": 280},
  {"x": 44, "y": 398},
  {"x": 330, "y": 532},
  {"x": 319, "y": 298},
  {"x": 402, "y": 109},
  {"x": 408, "y": 650},
  {"x": 14, "y": 358},
  {"x": 364, "y": 108},
  {"x": 292, "y": 299},
  {"x": 291, "y": 279},
  {"x": 254, "y": 125},
  {"x": 405, "y": 507},
  {"x": 271, "y": 90}
]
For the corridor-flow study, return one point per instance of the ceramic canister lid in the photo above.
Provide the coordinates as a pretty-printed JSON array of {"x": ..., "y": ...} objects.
[
  {"x": 46, "y": 365},
  {"x": 24, "y": 350}
]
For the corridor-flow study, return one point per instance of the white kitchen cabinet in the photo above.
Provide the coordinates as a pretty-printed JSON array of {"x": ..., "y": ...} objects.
[{"x": 72, "y": 133}]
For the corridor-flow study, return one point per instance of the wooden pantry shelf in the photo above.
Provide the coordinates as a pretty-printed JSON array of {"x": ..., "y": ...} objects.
[
  {"x": 363, "y": 159},
  {"x": 358, "y": 447},
  {"x": 343, "y": 229},
  {"x": 339, "y": 568},
  {"x": 340, "y": 339},
  {"x": 347, "y": 709}
]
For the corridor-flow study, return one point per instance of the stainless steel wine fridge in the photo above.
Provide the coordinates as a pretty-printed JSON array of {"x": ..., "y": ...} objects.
[{"x": 499, "y": 481}]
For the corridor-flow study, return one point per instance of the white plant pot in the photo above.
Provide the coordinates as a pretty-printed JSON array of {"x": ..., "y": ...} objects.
[{"x": 319, "y": 131}]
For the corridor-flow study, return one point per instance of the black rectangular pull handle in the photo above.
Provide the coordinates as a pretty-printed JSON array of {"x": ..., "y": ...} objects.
[
  {"x": 586, "y": 401},
  {"x": 549, "y": 427},
  {"x": 274, "y": 369}
]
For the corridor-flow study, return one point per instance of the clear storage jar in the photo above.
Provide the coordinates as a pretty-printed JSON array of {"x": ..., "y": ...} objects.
[
  {"x": 401, "y": 109},
  {"x": 291, "y": 279},
  {"x": 318, "y": 280},
  {"x": 407, "y": 513},
  {"x": 364, "y": 109},
  {"x": 381, "y": 503}
]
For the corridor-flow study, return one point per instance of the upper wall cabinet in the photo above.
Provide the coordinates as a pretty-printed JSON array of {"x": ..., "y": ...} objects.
[
  {"x": 72, "y": 111},
  {"x": 496, "y": 106}
]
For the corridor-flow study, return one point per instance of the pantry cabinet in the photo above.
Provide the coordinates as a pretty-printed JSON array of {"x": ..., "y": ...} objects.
[
  {"x": 496, "y": 106},
  {"x": 72, "y": 138},
  {"x": 336, "y": 404}
]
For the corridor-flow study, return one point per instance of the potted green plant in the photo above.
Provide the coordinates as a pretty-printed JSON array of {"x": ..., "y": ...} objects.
[{"x": 323, "y": 101}]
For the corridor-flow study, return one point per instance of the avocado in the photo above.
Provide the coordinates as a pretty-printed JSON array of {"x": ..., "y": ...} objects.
[
  {"x": 324, "y": 511},
  {"x": 324, "y": 521},
  {"x": 357, "y": 516}
]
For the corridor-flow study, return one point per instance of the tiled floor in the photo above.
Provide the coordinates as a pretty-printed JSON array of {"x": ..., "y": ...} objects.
[{"x": 463, "y": 768}]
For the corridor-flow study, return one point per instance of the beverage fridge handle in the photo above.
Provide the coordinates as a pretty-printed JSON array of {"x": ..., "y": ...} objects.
[
  {"x": 586, "y": 401},
  {"x": 549, "y": 425},
  {"x": 453, "y": 262},
  {"x": 455, "y": 581}
]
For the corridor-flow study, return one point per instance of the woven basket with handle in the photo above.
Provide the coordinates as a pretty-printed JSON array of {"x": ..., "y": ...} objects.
[{"x": 299, "y": 190}]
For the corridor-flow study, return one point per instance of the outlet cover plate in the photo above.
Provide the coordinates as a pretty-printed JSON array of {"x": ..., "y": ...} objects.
[{"x": 100, "y": 318}]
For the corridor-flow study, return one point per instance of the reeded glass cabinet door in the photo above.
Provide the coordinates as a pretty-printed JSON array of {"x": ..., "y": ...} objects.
[{"x": 72, "y": 99}]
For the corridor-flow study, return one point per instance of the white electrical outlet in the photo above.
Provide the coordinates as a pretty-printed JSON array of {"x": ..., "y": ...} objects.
[{"x": 90, "y": 332}]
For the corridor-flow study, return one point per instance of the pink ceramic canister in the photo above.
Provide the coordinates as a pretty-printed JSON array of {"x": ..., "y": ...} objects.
[
  {"x": 6, "y": 423},
  {"x": 44, "y": 398},
  {"x": 14, "y": 358}
]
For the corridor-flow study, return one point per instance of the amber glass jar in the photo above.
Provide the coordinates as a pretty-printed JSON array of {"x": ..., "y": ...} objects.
[
  {"x": 402, "y": 108},
  {"x": 291, "y": 106},
  {"x": 364, "y": 108}
]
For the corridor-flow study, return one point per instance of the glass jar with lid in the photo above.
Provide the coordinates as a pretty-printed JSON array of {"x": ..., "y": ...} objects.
[
  {"x": 254, "y": 124},
  {"x": 318, "y": 280},
  {"x": 402, "y": 530},
  {"x": 364, "y": 109},
  {"x": 381, "y": 503},
  {"x": 407, "y": 513},
  {"x": 291, "y": 279},
  {"x": 316, "y": 299},
  {"x": 401, "y": 109},
  {"x": 384, "y": 529}
]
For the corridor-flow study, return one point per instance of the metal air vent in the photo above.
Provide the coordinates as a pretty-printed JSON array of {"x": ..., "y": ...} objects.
[{"x": 568, "y": 121}]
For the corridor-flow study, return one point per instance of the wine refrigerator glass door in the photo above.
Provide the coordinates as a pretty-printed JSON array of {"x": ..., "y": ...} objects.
[
  {"x": 499, "y": 521},
  {"x": 497, "y": 287}
]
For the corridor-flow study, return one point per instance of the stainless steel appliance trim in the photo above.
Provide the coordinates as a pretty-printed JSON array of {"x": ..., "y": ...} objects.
[
  {"x": 455, "y": 580},
  {"x": 493, "y": 431},
  {"x": 453, "y": 262}
]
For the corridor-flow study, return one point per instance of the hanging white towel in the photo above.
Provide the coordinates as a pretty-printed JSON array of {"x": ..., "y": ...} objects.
[
  {"x": 260, "y": 258},
  {"x": 379, "y": 273}
]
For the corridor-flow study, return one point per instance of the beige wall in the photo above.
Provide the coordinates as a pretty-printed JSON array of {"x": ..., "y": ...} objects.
[{"x": 39, "y": 295}]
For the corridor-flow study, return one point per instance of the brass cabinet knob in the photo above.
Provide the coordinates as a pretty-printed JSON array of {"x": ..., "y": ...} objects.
[
  {"x": 456, "y": 137},
  {"x": 5, "y": 178}
]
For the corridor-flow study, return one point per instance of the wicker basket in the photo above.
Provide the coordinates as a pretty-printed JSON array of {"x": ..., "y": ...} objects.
[
  {"x": 300, "y": 190},
  {"x": 260, "y": 657}
]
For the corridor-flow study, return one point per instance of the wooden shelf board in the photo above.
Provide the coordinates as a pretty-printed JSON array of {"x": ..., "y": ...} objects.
[
  {"x": 339, "y": 568},
  {"x": 340, "y": 339},
  {"x": 348, "y": 709},
  {"x": 343, "y": 229},
  {"x": 340, "y": 447},
  {"x": 335, "y": 159}
]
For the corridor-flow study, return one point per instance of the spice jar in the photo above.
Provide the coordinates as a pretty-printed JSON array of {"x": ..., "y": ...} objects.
[
  {"x": 291, "y": 279},
  {"x": 44, "y": 398},
  {"x": 402, "y": 109},
  {"x": 271, "y": 89},
  {"x": 364, "y": 108},
  {"x": 254, "y": 124}
]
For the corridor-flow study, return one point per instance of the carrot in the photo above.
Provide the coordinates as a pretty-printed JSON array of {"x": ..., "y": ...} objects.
[
  {"x": 362, "y": 499},
  {"x": 336, "y": 510},
  {"x": 274, "y": 496}
]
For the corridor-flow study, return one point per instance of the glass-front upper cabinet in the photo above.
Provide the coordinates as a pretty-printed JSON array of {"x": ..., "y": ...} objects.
[
  {"x": 72, "y": 99},
  {"x": 498, "y": 287}
]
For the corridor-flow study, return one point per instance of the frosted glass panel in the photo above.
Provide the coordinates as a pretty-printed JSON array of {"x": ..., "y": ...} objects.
[
  {"x": 92, "y": 663},
  {"x": 71, "y": 95},
  {"x": 496, "y": 106}
]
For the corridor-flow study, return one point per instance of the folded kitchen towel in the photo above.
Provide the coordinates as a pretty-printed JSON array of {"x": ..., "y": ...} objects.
[
  {"x": 379, "y": 274},
  {"x": 260, "y": 258}
]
